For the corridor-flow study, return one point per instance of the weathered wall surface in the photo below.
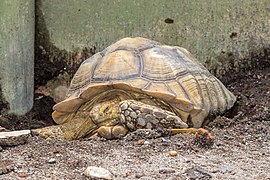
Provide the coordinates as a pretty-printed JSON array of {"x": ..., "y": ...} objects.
[
  {"x": 221, "y": 34},
  {"x": 16, "y": 55}
]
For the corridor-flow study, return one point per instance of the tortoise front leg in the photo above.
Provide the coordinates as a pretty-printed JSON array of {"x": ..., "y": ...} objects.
[
  {"x": 137, "y": 115},
  {"x": 112, "y": 132}
]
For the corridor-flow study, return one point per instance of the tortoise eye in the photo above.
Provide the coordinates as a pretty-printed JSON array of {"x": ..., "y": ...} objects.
[{"x": 106, "y": 110}]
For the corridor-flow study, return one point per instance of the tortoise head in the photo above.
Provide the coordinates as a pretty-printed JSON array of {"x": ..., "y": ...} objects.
[
  {"x": 106, "y": 113},
  {"x": 89, "y": 118}
]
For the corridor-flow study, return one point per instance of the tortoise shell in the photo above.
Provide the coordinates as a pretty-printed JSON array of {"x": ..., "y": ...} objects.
[{"x": 168, "y": 73}]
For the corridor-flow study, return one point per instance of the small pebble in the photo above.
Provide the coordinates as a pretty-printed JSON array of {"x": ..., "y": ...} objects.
[
  {"x": 166, "y": 171},
  {"x": 52, "y": 161},
  {"x": 146, "y": 142},
  {"x": 138, "y": 175},
  {"x": 1, "y": 149},
  {"x": 22, "y": 175},
  {"x": 173, "y": 153},
  {"x": 165, "y": 141},
  {"x": 140, "y": 142},
  {"x": 98, "y": 173}
]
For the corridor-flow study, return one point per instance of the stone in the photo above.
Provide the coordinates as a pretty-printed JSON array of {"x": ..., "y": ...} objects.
[
  {"x": 3, "y": 129},
  {"x": 147, "y": 142},
  {"x": 166, "y": 170},
  {"x": 198, "y": 173},
  {"x": 165, "y": 141},
  {"x": 98, "y": 172},
  {"x": 140, "y": 142},
  {"x": 139, "y": 175},
  {"x": 14, "y": 138},
  {"x": 22, "y": 175},
  {"x": 52, "y": 161},
  {"x": 173, "y": 153}
]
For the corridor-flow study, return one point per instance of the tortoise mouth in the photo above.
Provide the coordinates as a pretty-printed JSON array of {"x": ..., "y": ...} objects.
[{"x": 105, "y": 121}]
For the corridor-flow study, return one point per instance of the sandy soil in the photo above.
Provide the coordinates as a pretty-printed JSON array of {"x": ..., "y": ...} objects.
[{"x": 241, "y": 149}]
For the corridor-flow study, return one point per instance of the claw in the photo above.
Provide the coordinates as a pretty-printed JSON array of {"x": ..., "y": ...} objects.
[{"x": 202, "y": 135}]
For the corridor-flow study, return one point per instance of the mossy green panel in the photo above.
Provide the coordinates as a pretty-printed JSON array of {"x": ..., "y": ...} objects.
[
  {"x": 17, "y": 54},
  {"x": 209, "y": 29}
]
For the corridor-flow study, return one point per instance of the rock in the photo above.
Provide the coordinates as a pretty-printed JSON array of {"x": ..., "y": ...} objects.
[
  {"x": 166, "y": 171},
  {"x": 139, "y": 175},
  {"x": 140, "y": 142},
  {"x": 147, "y": 142},
  {"x": 51, "y": 161},
  {"x": 98, "y": 172},
  {"x": 22, "y": 175},
  {"x": 6, "y": 166},
  {"x": 165, "y": 141},
  {"x": 173, "y": 153},
  {"x": 198, "y": 173},
  {"x": 14, "y": 138},
  {"x": 3, "y": 129}
]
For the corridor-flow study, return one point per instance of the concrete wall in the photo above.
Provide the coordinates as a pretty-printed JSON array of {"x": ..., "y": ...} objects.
[
  {"x": 17, "y": 55},
  {"x": 221, "y": 34}
]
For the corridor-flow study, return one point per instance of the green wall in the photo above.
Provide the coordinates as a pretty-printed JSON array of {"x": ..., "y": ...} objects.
[
  {"x": 221, "y": 34},
  {"x": 17, "y": 54}
]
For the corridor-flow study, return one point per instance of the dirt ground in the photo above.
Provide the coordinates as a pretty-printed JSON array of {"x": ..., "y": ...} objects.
[{"x": 241, "y": 148}]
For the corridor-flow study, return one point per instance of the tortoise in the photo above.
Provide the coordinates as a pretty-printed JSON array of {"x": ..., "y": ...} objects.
[{"x": 138, "y": 83}]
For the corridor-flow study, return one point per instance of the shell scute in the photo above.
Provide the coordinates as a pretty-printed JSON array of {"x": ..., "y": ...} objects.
[{"x": 169, "y": 73}]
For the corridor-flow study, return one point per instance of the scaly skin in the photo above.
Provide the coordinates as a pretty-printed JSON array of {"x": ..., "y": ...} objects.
[{"x": 113, "y": 118}]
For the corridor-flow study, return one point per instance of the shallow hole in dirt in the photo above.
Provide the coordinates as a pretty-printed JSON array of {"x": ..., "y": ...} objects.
[{"x": 39, "y": 116}]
